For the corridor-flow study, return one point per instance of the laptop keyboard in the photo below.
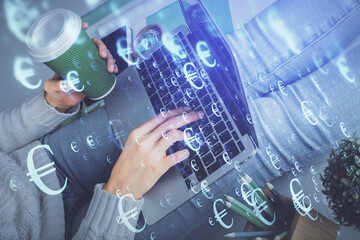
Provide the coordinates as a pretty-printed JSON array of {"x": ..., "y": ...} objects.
[{"x": 165, "y": 83}]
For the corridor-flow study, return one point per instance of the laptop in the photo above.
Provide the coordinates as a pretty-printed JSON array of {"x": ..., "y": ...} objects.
[{"x": 194, "y": 66}]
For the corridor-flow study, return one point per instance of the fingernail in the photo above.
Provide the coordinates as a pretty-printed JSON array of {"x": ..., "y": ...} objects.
[
  {"x": 104, "y": 53},
  {"x": 186, "y": 152},
  {"x": 188, "y": 108},
  {"x": 201, "y": 114},
  {"x": 112, "y": 68}
]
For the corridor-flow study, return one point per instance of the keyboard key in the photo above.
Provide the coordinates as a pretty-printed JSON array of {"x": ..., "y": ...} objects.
[
  {"x": 187, "y": 182},
  {"x": 198, "y": 168},
  {"x": 149, "y": 62},
  {"x": 159, "y": 57},
  {"x": 224, "y": 116},
  {"x": 220, "y": 127},
  {"x": 185, "y": 86},
  {"x": 214, "y": 98},
  {"x": 181, "y": 36},
  {"x": 189, "y": 94},
  {"x": 207, "y": 130},
  {"x": 143, "y": 74},
  {"x": 231, "y": 149},
  {"x": 230, "y": 126},
  {"x": 141, "y": 66},
  {"x": 178, "y": 96},
  {"x": 150, "y": 89},
  {"x": 212, "y": 140},
  {"x": 167, "y": 99},
  {"x": 209, "y": 89},
  {"x": 225, "y": 136},
  {"x": 165, "y": 51},
  {"x": 213, "y": 167},
  {"x": 217, "y": 149},
  {"x": 173, "y": 89},
  {"x": 214, "y": 119},
  {"x": 166, "y": 73},
  {"x": 163, "y": 66},
  {"x": 170, "y": 106},
  {"x": 194, "y": 104},
  {"x": 186, "y": 171},
  {"x": 201, "y": 92},
  {"x": 181, "y": 80},
  {"x": 205, "y": 101},
  {"x": 208, "y": 159},
  {"x": 208, "y": 110},
  {"x": 235, "y": 135},
  {"x": 203, "y": 150},
  {"x": 155, "y": 75}
]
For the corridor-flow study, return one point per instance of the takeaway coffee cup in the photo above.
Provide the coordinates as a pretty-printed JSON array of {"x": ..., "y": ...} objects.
[{"x": 58, "y": 40}]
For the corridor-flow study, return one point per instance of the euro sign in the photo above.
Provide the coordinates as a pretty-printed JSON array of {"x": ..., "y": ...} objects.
[
  {"x": 33, "y": 172},
  {"x": 345, "y": 70},
  {"x": 23, "y": 75},
  {"x": 192, "y": 142},
  {"x": 124, "y": 217},
  {"x": 73, "y": 79},
  {"x": 319, "y": 62},
  {"x": 246, "y": 194},
  {"x": 308, "y": 114},
  {"x": 191, "y": 75},
  {"x": 282, "y": 88},
  {"x": 343, "y": 129},
  {"x": 299, "y": 201},
  {"x": 203, "y": 52},
  {"x": 220, "y": 215},
  {"x": 259, "y": 208},
  {"x": 323, "y": 115}
]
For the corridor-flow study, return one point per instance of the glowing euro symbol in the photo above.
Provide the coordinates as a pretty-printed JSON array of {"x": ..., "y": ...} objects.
[
  {"x": 173, "y": 47},
  {"x": 74, "y": 147},
  {"x": 211, "y": 221},
  {"x": 125, "y": 52},
  {"x": 282, "y": 88},
  {"x": 90, "y": 141},
  {"x": 319, "y": 62},
  {"x": 248, "y": 118},
  {"x": 33, "y": 172},
  {"x": 246, "y": 194},
  {"x": 223, "y": 213},
  {"x": 345, "y": 70},
  {"x": 203, "y": 52},
  {"x": 205, "y": 189},
  {"x": 198, "y": 201},
  {"x": 73, "y": 81},
  {"x": 299, "y": 201},
  {"x": 191, "y": 75},
  {"x": 308, "y": 114},
  {"x": 124, "y": 217},
  {"x": 215, "y": 109},
  {"x": 22, "y": 75},
  {"x": 324, "y": 116},
  {"x": 259, "y": 208},
  {"x": 192, "y": 142},
  {"x": 343, "y": 129}
]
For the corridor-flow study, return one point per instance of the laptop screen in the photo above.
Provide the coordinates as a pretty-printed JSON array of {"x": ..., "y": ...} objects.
[{"x": 218, "y": 61}]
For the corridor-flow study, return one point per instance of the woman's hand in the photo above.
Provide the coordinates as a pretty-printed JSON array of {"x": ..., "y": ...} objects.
[
  {"x": 143, "y": 160},
  {"x": 62, "y": 101}
]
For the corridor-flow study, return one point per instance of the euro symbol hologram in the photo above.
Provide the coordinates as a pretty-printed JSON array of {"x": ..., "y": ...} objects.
[
  {"x": 220, "y": 215},
  {"x": 191, "y": 75},
  {"x": 33, "y": 172},
  {"x": 203, "y": 51},
  {"x": 124, "y": 217}
]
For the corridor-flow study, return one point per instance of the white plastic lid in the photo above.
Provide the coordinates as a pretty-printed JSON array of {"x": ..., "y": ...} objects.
[{"x": 52, "y": 34}]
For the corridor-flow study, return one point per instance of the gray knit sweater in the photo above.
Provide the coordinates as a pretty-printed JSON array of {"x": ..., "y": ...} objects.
[{"x": 25, "y": 211}]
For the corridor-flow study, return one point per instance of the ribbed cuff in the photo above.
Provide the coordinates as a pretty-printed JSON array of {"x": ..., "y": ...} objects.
[
  {"x": 40, "y": 111},
  {"x": 104, "y": 210}
]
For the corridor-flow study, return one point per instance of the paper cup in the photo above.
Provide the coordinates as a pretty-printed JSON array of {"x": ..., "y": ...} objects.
[{"x": 58, "y": 40}]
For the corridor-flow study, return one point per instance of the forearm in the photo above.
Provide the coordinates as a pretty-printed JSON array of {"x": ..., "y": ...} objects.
[
  {"x": 101, "y": 219},
  {"x": 28, "y": 122}
]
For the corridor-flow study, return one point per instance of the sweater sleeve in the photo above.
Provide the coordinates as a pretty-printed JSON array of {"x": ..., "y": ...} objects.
[
  {"x": 101, "y": 218},
  {"x": 28, "y": 122}
]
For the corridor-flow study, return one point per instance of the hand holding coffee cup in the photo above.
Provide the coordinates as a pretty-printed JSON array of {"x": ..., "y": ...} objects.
[
  {"x": 58, "y": 40},
  {"x": 60, "y": 94}
]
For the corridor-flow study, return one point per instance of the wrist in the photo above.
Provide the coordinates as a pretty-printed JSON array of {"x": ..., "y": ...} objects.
[{"x": 54, "y": 104}]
